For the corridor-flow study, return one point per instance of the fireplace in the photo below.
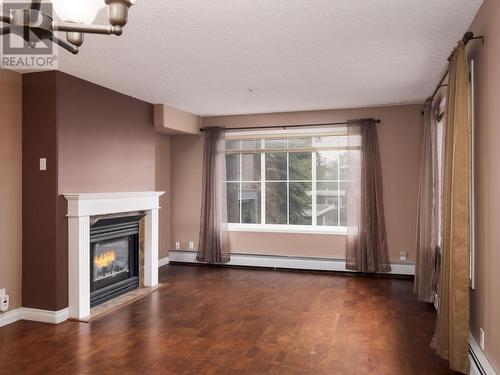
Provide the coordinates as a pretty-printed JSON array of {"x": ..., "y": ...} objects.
[
  {"x": 114, "y": 257},
  {"x": 83, "y": 211}
]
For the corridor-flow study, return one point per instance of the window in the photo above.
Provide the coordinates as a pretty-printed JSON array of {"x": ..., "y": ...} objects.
[{"x": 288, "y": 180}]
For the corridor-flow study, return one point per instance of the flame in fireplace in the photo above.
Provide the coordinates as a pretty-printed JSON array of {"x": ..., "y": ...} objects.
[{"x": 105, "y": 259}]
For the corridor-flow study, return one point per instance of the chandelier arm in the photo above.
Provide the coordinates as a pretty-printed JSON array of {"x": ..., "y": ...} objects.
[
  {"x": 4, "y": 30},
  {"x": 36, "y": 4},
  {"x": 62, "y": 43},
  {"x": 88, "y": 29}
]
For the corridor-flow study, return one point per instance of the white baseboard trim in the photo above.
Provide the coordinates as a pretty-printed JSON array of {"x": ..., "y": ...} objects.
[
  {"x": 479, "y": 364},
  {"x": 290, "y": 262},
  {"x": 36, "y": 315},
  {"x": 10, "y": 317},
  {"x": 163, "y": 262},
  {"x": 44, "y": 316}
]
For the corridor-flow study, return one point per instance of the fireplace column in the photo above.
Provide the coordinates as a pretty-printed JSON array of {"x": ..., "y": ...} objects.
[
  {"x": 151, "y": 248},
  {"x": 79, "y": 266}
]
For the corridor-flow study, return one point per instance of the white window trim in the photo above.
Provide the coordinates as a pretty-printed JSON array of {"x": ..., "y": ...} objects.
[{"x": 284, "y": 228}]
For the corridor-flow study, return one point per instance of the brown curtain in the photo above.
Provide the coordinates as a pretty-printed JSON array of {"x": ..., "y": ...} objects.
[
  {"x": 428, "y": 210},
  {"x": 366, "y": 239},
  {"x": 213, "y": 243},
  {"x": 452, "y": 327}
]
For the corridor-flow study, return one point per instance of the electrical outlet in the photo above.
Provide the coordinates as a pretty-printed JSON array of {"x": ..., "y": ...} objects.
[
  {"x": 402, "y": 255},
  {"x": 177, "y": 245},
  {"x": 191, "y": 245},
  {"x": 481, "y": 338},
  {"x": 4, "y": 303}
]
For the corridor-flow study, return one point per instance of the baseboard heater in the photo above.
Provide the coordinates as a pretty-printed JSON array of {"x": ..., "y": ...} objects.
[
  {"x": 287, "y": 262},
  {"x": 476, "y": 367},
  {"x": 479, "y": 364}
]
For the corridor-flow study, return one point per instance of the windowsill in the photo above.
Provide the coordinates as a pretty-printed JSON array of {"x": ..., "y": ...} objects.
[{"x": 295, "y": 229}]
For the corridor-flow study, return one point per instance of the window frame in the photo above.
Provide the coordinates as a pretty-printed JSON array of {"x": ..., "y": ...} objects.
[{"x": 286, "y": 228}]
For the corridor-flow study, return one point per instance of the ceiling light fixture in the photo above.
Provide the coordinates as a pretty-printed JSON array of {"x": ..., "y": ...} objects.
[{"x": 76, "y": 18}]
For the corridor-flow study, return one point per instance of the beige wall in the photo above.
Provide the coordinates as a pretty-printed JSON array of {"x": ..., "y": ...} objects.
[
  {"x": 170, "y": 120},
  {"x": 485, "y": 308},
  {"x": 11, "y": 184},
  {"x": 186, "y": 159},
  {"x": 399, "y": 137},
  {"x": 162, "y": 165}
]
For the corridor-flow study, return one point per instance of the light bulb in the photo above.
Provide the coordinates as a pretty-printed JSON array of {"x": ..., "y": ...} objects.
[{"x": 81, "y": 11}]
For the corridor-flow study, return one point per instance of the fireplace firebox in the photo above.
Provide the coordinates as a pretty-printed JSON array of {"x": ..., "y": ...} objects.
[{"x": 114, "y": 257}]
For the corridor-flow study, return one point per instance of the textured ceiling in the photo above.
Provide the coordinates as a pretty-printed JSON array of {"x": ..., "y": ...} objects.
[{"x": 204, "y": 55}]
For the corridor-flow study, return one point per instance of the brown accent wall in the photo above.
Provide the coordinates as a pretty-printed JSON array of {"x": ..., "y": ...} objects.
[
  {"x": 40, "y": 288},
  {"x": 485, "y": 302},
  {"x": 106, "y": 140},
  {"x": 11, "y": 185},
  {"x": 399, "y": 137},
  {"x": 96, "y": 140}
]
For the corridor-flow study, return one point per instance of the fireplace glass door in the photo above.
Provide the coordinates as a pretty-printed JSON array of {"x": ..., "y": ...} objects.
[
  {"x": 114, "y": 258},
  {"x": 111, "y": 260}
]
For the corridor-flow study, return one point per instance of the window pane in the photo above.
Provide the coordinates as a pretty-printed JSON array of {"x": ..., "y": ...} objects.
[
  {"x": 354, "y": 140},
  {"x": 299, "y": 142},
  {"x": 276, "y": 203},
  {"x": 344, "y": 186},
  {"x": 300, "y": 203},
  {"x": 250, "y": 203},
  {"x": 327, "y": 141},
  {"x": 327, "y": 165},
  {"x": 344, "y": 165},
  {"x": 350, "y": 165},
  {"x": 233, "y": 202},
  {"x": 275, "y": 143},
  {"x": 250, "y": 167},
  {"x": 251, "y": 144},
  {"x": 343, "y": 141},
  {"x": 233, "y": 167},
  {"x": 233, "y": 145},
  {"x": 327, "y": 203},
  {"x": 276, "y": 166},
  {"x": 300, "y": 165}
]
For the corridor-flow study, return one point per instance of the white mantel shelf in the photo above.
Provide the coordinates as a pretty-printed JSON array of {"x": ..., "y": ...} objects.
[
  {"x": 91, "y": 204},
  {"x": 81, "y": 206}
]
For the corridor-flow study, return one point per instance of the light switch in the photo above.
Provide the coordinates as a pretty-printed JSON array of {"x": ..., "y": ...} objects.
[{"x": 43, "y": 164}]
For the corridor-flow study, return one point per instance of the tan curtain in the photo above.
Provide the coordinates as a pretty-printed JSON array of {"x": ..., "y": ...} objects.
[
  {"x": 428, "y": 210},
  {"x": 366, "y": 239},
  {"x": 452, "y": 327},
  {"x": 213, "y": 243}
]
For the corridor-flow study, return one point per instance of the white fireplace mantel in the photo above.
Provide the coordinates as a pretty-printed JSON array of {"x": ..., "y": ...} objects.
[{"x": 81, "y": 206}]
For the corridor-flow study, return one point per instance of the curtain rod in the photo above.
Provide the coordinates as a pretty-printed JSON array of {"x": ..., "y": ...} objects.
[
  {"x": 468, "y": 36},
  {"x": 289, "y": 126}
]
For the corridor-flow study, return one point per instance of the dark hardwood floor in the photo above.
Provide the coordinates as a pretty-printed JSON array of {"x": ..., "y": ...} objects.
[{"x": 236, "y": 321}]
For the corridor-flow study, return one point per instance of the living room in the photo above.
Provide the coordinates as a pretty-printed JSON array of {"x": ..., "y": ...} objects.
[{"x": 249, "y": 187}]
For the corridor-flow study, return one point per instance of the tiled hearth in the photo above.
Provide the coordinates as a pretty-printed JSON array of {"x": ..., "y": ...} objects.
[{"x": 119, "y": 302}]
